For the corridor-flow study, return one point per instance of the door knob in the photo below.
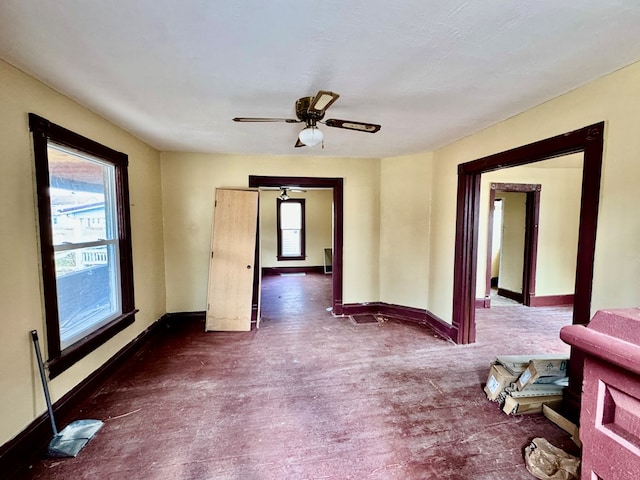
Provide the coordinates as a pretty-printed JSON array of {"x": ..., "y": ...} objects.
[{"x": 248, "y": 267}]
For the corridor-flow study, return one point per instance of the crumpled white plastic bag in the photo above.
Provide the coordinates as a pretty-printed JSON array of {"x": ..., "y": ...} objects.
[{"x": 548, "y": 462}]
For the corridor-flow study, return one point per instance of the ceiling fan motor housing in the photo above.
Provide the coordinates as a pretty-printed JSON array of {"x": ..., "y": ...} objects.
[{"x": 303, "y": 113}]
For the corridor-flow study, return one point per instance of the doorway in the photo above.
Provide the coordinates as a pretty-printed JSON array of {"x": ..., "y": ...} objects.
[
  {"x": 336, "y": 185},
  {"x": 512, "y": 241},
  {"x": 589, "y": 141}
]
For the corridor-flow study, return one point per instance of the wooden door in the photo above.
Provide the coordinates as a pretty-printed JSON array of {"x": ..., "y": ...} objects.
[{"x": 233, "y": 256}]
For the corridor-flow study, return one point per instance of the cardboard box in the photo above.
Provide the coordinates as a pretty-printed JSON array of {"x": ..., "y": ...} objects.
[
  {"x": 528, "y": 405},
  {"x": 499, "y": 378},
  {"x": 543, "y": 371},
  {"x": 537, "y": 390},
  {"x": 516, "y": 364}
]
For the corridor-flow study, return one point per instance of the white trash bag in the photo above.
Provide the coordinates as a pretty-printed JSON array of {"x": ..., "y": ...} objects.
[{"x": 548, "y": 462}]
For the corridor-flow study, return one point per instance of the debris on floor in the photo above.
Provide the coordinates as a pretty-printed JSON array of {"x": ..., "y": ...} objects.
[
  {"x": 545, "y": 461},
  {"x": 565, "y": 424},
  {"x": 522, "y": 384}
]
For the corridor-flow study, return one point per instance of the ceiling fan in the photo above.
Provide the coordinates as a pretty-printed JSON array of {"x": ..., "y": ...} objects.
[
  {"x": 283, "y": 191},
  {"x": 310, "y": 111}
]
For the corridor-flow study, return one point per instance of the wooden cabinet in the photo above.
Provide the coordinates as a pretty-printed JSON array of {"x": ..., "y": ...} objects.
[{"x": 610, "y": 409}]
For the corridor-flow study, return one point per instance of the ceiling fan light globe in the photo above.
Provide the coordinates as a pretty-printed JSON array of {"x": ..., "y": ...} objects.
[{"x": 311, "y": 136}]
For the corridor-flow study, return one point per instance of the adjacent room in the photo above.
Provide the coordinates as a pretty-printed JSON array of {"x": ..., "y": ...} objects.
[{"x": 289, "y": 240}]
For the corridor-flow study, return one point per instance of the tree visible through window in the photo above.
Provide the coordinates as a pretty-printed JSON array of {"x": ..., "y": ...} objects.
[
  {"x": 291, "y": 229},
  {"x": 85, "y": 241}
]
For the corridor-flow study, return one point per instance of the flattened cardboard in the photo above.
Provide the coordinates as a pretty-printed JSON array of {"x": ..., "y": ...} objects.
[
  {"x": 566, "y": 425},
  {"x": 528, "y": 405}
]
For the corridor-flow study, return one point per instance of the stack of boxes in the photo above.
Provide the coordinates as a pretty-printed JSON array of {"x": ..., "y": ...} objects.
[{"x": 524, "y": 383}]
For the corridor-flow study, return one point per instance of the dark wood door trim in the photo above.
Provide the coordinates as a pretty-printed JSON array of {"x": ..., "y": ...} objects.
[
  {"x": 336, "y": 184},
  {"x": 589, "y": 140},
  {"x": 530, "y": 240}
]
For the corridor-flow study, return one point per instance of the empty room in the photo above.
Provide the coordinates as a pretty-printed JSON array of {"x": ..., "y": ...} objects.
[{"x": 291, "y": 240}]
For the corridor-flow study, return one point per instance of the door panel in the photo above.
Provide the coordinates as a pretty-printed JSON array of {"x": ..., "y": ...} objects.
[{"x": 231, "y": 269}]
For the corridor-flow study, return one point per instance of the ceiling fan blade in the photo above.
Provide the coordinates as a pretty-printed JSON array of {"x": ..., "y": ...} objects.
[
  {"x": 260, "y": 119},
  {"x": 322, "y": 101},
  {"x": 350, "y": 125},
  {"x": 299, "y": 144}
]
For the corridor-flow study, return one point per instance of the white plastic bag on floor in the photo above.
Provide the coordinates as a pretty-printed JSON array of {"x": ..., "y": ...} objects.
[{"x": 547, "y": 462}]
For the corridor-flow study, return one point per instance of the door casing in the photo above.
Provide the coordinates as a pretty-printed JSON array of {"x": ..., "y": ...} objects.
[
  {"x": 589, "y": 141},
  {"x": 530, "y": 253},
  {"x": 336, "y": 184}
]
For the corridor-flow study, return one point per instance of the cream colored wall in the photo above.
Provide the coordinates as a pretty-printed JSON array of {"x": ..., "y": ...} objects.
[
  {"x": 405, "y": 211},
  {"x": 21, "y": 397},
  {"x": 496, "y": 239},
  {"x": 189, "y": 182},
  {"x": 614, "y": 99},
  {"x": 513, "y": 226},
  {"x": 318, "y": 227}
]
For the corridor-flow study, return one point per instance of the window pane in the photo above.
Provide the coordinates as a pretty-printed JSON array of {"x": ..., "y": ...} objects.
[
  {"x": 291, "y": 245},
  {"x": 87, "y": 285},
  {"x": 81, "y": 194},
  {"x": 290, "y": 215},
  {"x": 83, "y": 211}
]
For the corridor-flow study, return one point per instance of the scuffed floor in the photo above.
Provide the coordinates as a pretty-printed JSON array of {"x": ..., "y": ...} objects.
[{"x": 310, "y": 396}]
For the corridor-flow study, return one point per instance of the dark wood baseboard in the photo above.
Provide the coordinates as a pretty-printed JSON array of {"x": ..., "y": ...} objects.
[
  {"x": 281, "y": 270},
  {"x": 551, "y": 300},
  {"x": 17, "y": 454},
  {"x": 414, "y": 315},
  {"x": 178, "y": 317},
  {"x": 517, "y": 296},
  {"x": 483, "y": 302},
  {"x": 535, "y": 301}
]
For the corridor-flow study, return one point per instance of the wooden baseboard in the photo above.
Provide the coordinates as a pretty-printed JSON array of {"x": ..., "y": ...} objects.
[
  {"x": 17, "y": 454},
  {"x": 483, "y": 302},
  {"x": 285, "y": 270},
  {"x": 414, "y": 315},
  {"x": 517, "y": 296},
  {"x": 551, "y": 300}
]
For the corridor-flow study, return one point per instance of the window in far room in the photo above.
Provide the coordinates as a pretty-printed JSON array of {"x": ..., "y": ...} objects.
[{"x": 291, "y": 229}]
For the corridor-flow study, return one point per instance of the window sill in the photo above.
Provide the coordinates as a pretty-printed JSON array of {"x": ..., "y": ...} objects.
[
  {"x": 300, "y": 257},
  {"x": 91, "y": 342}
]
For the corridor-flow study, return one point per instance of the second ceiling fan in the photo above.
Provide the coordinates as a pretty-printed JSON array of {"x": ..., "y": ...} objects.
[{"x": 310, "y": 111}]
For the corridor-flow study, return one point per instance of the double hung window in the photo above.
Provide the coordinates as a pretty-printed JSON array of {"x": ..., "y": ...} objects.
[
  {"x": 291, "y": 229},
  {"x": 85, "y": 241}
]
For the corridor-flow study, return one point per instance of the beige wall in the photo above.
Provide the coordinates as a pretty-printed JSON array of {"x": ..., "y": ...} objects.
[
  {"x": 318, "y": 227},
  {"x": 513, "y": 227},
  {"x": 404, "y": 230},
  {"x": 21, "y": 397},
  {"x": 189, "y": 182},
  {"x": 614, "y": 99}
]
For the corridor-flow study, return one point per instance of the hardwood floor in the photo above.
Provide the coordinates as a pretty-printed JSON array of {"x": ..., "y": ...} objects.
[{"x": 312, "y": 396}]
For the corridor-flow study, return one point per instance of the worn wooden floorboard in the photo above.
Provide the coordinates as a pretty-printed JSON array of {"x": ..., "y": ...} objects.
[{"x": 311, "y": 396}]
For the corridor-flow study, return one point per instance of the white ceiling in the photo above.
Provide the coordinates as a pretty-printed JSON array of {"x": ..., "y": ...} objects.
[{"x": 174, "y": 73}]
